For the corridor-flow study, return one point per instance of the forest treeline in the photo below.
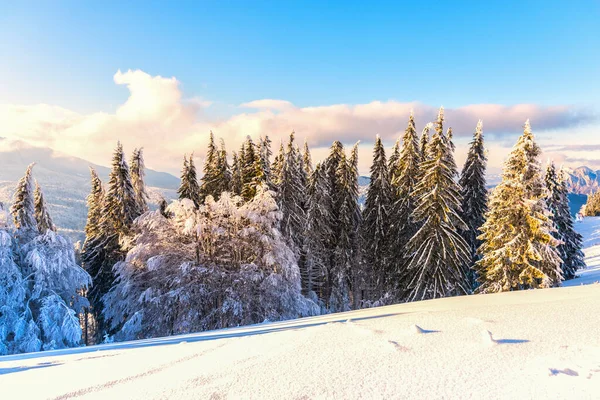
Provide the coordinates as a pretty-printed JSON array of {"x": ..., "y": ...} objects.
[{"x": 263, "y": 237}]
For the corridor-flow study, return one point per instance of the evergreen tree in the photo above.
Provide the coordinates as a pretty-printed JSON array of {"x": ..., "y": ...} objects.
[
  {"x": 376, "y": 222},
  {"x": 121, "y": 203},
  {"x": 237, "y": 182},
  {"x": 223, "y": 173},
  {"x": 23, "y": 208},
  {"x": 406, "y": 178},
  {"x": 292, "y": 196},
  {"x": 44, "y": 221},
  {"x": 518, "y": 250},
  {"x": 189, "y": 189},
  {"x": 252, "y": 172},
  {"x": 424, "y": 142},
  {"x": 209, "y": 177},
  {"x": 474, "y": 194},
  {"x": 138, "y": 172},
  {"x": 265, "y": 159},
  {"x": 318, "y": 233},
  {"x": 393, "y": 166},
  {"x": 438, "y": 255},
  {"x": 557, "y": 199},
  {"x": 277, "y": 165},
  {"x": 307, "y": 161}
]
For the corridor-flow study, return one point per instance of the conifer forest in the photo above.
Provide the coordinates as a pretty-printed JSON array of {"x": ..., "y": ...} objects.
[{"x": 263, "y": 233}]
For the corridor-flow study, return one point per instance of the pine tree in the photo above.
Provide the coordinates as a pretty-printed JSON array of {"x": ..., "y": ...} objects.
[
  {"x": 393, "y": 166},
  {"x": 23, "y": 208},
  {"x": 376, "y": 222},
  {"x": 44, "y": 221},
  {"x": 189, "y": 189},
  {"x": 518, "y": 250},
  {"x": 307, "y": 160},
  {"x": 406, "y": 178},
  {"x": 138, "y": 172},
  {"x": 558, "y": 202},
  {"x": 121, "y": 203},
  {"x": 252, "y": 172},
  {"x": 424, "y": 142},
  {"x": 438, "y": 255},
  {"x": 474, "y": 194}
]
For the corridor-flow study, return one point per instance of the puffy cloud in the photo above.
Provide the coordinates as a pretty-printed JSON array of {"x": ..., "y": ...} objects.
[{"x": 158, "y": 117}]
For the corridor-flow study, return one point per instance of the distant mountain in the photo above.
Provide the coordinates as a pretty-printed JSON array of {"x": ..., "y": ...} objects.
[
  {"x": 65, "y": 182},
  {"x": 583, "y": 180}
]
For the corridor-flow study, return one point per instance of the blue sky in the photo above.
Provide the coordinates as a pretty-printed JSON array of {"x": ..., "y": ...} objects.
[{"x": 65, "y": 53}]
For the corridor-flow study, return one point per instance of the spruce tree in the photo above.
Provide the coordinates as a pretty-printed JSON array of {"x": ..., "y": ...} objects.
[
  {"x": 44, "y": 221},
  {"x": 121, "y": 203},
  {"x": 558, "y": 202},
  {"x": 23, "y": 207},
  {"x": 424, "y": 141},
  {"x": 474, "y": 195},
  {"x": 237, "y": 182},
  {"x": 277, "y": 165},
  {"x": 438, "y": 255},
  {"x": 375, "y": 228},
  {"x": 138, "y": 172},
  {"x": 208, "y": 180},
  {"x": 252, "y": 172},
  {"x": 265, "y": 159},
  {"x": 222, "y": 182},
  {"x": 318, "y": 234},
  {"x": 406, "y": 178},
  {"x": 518, "y": 250},
  {"x": 307, "y": 161},
  {"x": 393, "y": 166},
  {"x": 189, "y": 189}
]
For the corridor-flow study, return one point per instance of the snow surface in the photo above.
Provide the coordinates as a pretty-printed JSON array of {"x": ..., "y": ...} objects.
[{"x": 528, "y": 344}]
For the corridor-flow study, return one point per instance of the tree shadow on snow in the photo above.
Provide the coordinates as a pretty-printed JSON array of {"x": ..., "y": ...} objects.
[
  {"x": 5, "y": 371},
  {"x": 511, "y": 341}
]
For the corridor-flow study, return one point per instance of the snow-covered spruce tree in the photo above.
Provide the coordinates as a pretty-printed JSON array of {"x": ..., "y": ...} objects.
[
  {"x": 592, "y": 206},
  {"x": 558, "y": 202},
  {"x": 246, "y": 274},
  {"x": 265, "y": 153},
  {"x": 209, "y": 177},
  {"x": 23, "y": 207},
  {"x": 18, "y": 332},
  {"x": 138, "y": 172},
  {"x": 237, "y": 182},
  {"x": 291, "y": 190},
  {"x": 393, "y": 165},
  {"x": 438, "y": 255},
  {"x": 44, "y": 221},
  {"x": 424, "y": 142},
  {"x": 119, "y": 210},
  {"x": 188, "y": 188},
  {"x": 223, "y": 176},
  {"x": 252, "y": 172},
  {"x": 277, "y": 164},
  {"x": 318, "y": 234},
  {"x": 402, "y": 226},
  {"x": 518, "y": 250},
  {"x": 307, "y": 160},
  {"x": 474, "y": 195},
  {"x": 375, "y": 228},
  {"x": 349, "y": 278},
  {"x": 55, "y": 282}
]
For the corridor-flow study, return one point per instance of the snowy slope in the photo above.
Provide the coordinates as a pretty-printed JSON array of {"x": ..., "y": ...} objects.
[{"x": 543, "y": 344}]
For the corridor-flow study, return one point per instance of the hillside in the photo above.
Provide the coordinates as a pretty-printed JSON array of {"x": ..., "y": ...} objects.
[
  {"x": 65, "y": 182},
  {"x": 531, "y": 344}
]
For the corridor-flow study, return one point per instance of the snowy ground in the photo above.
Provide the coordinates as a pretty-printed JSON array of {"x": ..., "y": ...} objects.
[{"x": 543, "y": 344}]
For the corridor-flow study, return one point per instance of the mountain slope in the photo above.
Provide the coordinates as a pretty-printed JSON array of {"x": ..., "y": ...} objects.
[{"x": 65, "y": 181}]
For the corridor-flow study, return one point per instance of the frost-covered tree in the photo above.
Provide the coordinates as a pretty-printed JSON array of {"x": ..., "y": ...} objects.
[
  {"x": 393, "y": 165},
  {"x": 23, "y": 207},
  {"x": 246, "y": 273},
  {"x": 265, "y": 159},
  {"x": 474, "y": 194},
  {"x": 188, "y": 188},
  {"x": 424, "y": 142},
  {"x": 375, "y": 228},
  {"x": 237, "y": 182},
  {"x": 54, "y": 284},
  {"x": 44, "y": 221},
  {"x": 120, "y": 200},
  {"x": 277, "y": 164},
  {"x": 252, "y": 172},
  {"x": 519, "y": 250},
  {"x": 223, "y": 173},
  {"x": 138, "y": 172},
  {"x": 438, "y": 256},
  {"x": 557, "y": 199},
  {"x": 209, "y": 176},
  {"x": 15, "y": 332}
]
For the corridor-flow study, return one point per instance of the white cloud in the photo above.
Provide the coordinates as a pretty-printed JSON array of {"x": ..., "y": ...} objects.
[{"x": 157, "y": 117}]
